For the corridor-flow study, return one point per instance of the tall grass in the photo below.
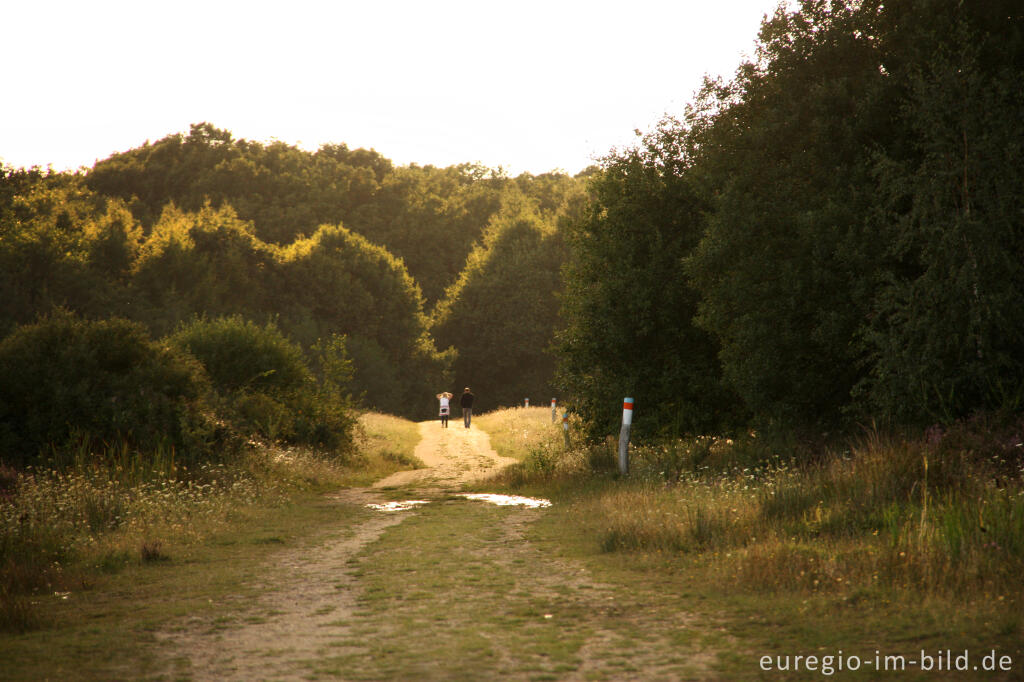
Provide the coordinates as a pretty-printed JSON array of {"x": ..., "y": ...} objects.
[
  {"x": 62, "y": 526},
  {"x": 528, "y": 435},
  {"x": 517, "y": 431},
  {"x": 932, "y": 516}
]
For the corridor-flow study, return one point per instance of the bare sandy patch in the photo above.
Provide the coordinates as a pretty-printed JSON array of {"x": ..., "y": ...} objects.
[{"x": 453, "y": 457}]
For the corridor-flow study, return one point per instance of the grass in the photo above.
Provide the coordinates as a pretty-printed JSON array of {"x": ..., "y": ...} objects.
[
  {"x": 385, "y": 444},
  {"x": 708, "y": 556},
  {"x": 516, "y": 432},
  {"x": 106, "y": 628},
  {"x": 453, "y": 593},
  {"x": 890, "y": 542},
  {"x": 62, "y": 530}
]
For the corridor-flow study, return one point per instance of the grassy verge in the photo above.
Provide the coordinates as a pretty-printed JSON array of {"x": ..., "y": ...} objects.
[
  {"x": 92, "y": 526},
  {"x": 386, "y": 445},
  {"x": 891, "y": 546},
  {"x": 518, "y": 431}
]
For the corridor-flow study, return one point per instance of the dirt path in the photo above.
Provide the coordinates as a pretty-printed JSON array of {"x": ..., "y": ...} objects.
[
  {"x": 309, "y": 597},
  {"x": 453, "y": 456},
  {"x": 448, "y": 590}
]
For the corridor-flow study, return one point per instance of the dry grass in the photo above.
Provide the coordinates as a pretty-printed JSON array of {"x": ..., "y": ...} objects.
[
  {"x": 885, "y": 515},
  {"x": 58, "y": 527},
  {"x": 518, "y": 431}
]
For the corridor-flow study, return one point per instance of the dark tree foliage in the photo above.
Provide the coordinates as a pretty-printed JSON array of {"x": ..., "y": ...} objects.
[
  {"x": 947, "y": 337},
  {"x": 431, "y": 218},
  {"x": 336, "y": 282},
  {"x": 785, "y": 265},
  {"x": 853, "y": 204},
  {"x": 285, "y": 191},
  {"x": 62, "y": 246},
  {"x": 629, "y": 312},
  {"x": 69, "y": 382},
  {"x": 204, "y": 263},
  {"x": 501, "y": 314},
  {"x": 263, "y": 383}
]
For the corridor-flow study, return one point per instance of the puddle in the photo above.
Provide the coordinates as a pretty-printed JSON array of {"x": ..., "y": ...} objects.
[
  {"x": 507, "y": 500},
  {"x": 404, "y": 505}
]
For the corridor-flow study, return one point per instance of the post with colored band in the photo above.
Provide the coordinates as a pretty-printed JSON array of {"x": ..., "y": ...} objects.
[
  {"x": 627, "y": 421},
  {"x": 526, "y": 402},
  {"x": 554, "y": 411}
]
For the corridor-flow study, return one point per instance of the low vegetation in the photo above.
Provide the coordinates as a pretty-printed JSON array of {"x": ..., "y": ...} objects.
[
  {"x": 63, "y": 528},
  {"x": 930, "y": 525},
  {"x": 517, "y": 431}
]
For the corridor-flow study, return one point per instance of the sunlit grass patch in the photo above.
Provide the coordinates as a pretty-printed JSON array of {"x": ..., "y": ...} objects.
[
  {"x": 884, "y": 514},
  {"x": 384, "y": 445},
  {"x": 518, "y": 431}
]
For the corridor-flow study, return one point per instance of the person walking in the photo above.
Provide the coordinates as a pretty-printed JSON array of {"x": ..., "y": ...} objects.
[
  {"x": 466, "y": 402},
  {"x": 444, "y": 398}
]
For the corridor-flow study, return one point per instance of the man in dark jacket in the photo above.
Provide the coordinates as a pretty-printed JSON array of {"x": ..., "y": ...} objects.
[{"x": 466, "y": 402}]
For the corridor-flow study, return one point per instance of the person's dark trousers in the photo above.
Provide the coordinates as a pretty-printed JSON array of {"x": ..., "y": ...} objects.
[{"x": 467, "y": 415}]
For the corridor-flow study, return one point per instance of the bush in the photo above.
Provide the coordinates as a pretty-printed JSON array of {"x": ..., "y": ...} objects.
[
  {"x": 72, "y": 381},
  {"x": 241, "y": 355},
  {"x": 266, "y": 388}
]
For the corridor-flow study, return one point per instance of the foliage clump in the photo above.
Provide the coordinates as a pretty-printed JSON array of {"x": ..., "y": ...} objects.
[
  {"x": 263, "y": 383},
  {"x": 831, "y": 236},
  {"x": 69, "y": 381}
]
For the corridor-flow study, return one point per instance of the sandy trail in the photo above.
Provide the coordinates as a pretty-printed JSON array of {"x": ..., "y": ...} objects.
[
  {"x": 309, "y": 595},
  {"x": 310, "y": 610},
  {"x": 453, "y": 457}
]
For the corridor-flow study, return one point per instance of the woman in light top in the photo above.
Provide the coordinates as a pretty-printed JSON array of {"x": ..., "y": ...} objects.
[{"x": 445, "y": 399}]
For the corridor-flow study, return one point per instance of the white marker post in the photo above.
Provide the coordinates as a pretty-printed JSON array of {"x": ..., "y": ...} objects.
[
  {"x": 627, "y": 420},
  {"x": 565, "y": 428},
  {"x": 554, "y": 411},
  {"x": 526, "y": 402}
]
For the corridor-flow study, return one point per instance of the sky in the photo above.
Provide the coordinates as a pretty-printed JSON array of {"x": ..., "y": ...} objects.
[{"x": 530, "y": 86}]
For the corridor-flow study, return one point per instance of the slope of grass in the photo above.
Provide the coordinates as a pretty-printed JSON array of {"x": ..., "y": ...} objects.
[{"x": 518, "y": 431}]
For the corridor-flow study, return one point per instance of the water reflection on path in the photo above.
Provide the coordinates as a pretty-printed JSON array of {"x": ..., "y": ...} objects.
[
  {"x": 500, "y": 500},
  {"x": 507, "y": 500}
]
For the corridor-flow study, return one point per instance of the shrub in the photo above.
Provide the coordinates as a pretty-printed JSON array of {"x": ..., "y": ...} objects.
[
  {"x": 70, "y": 380},
  {"x": 264, "y": 385},
  {"x": 241, "y": 355}
]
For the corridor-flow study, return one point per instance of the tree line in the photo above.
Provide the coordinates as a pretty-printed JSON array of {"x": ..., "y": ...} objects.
[
  {"x": 391, "y": 267},
  {"x": 833, "y": 236}
]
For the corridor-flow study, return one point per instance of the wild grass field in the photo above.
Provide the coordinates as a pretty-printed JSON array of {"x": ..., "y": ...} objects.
[
  {"x": 738, "y": 548},
  {"x": 63, "y": 529},
  {"x": 888, "y": 545}
]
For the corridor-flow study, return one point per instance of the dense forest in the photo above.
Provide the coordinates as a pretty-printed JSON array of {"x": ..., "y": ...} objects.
[
  {"x": 268, "y": 246},
  {"x": 831, "y": 237}
]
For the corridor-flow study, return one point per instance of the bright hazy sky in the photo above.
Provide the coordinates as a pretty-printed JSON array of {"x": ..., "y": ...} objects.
[{"x": 530, "y": 85}]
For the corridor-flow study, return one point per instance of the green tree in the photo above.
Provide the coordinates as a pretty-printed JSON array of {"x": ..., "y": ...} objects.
[
  {"x": 629, "y": 310},
  {"x": 203, "y": 263},
  {"x": 947, "y": 336},
  {"x": 787, "y": 266},
  {"x": 337, "y": 282},
  {"x": 69, "y": 381},
  {"x": 54, "y": 237},
  {"x": 501, "y": 314}
]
